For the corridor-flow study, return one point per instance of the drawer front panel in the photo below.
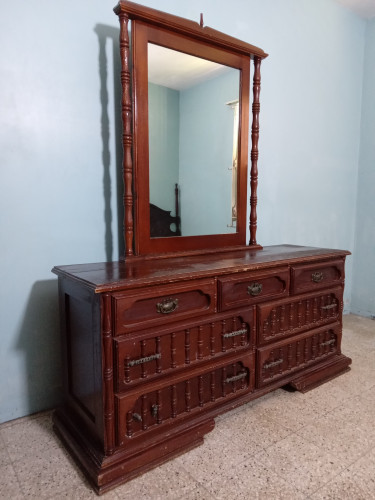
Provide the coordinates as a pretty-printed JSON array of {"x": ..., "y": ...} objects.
[
  {"x": 163, "y": 304},
  {"x": 291, "y": 316},
  {"x": 250, "y": 288},
  {"x": 170, "y": 403},
  {"x": 283, "y": 358},
  {"x": 311, "y": 276},
  {"x": 148, "y": 355}
]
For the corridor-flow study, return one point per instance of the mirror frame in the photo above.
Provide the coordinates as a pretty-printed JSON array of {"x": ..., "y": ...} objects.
[{"x": 153, "y": 26}]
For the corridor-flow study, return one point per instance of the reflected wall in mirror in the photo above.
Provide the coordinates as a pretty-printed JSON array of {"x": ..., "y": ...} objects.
[{"x": 193, "y": 141}]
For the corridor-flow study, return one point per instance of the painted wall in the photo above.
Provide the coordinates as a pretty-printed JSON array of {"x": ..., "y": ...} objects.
[
  {"x": 363, "y": 289},
  {"x": 206, "y": 148},
  {"x": 164, "y": 128},
  {"x": 59, "y": 157}
]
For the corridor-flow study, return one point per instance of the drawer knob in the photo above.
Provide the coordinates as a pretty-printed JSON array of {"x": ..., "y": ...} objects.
[
  {"x": 317, "y": 276},
  {"x": 254, "y": 289},
  {"x": 167, "y": 306}
]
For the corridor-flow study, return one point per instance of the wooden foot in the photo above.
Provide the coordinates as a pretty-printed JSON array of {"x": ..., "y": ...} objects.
[
  {"x": 107, "y": 472},
  {"x": 320, "y": 374}
]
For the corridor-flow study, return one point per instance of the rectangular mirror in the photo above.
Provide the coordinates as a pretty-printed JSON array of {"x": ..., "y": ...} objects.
[
  {"x": 191, "y": 148},
  {"x": 193, "y": 142}
]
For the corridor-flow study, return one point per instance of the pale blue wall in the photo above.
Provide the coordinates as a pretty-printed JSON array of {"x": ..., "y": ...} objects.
[
  {"x": 363, "y": 289},
  {"x": 206, "y": 149},
  {"x": 59, "y": 157},
  {"x": 164, "y": 126}
]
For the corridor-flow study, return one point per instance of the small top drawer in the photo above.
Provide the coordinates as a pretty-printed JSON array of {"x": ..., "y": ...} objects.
[
  {"x": 250, "y": 288},
  {"x": 154, "y": 306},
  {"x": 308, "y": 277}
]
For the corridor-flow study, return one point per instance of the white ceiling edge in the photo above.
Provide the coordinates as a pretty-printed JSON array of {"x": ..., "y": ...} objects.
[{"x": 364, "y": 8}]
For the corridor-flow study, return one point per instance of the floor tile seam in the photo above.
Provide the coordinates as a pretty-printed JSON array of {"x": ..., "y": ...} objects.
[
  {"x": 18, "y": 480},
  {"x": 336, "y": 476},
  {"x": 191, "y": 476},
  {"x": 312, "y": 442},
  {"x": 342, "y": 468}
]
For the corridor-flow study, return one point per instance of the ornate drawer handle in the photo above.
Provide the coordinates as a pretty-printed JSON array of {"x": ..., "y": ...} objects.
[
  {"x": 137, "y": 417},
  {"x": 317, "y": 276},
  {"x": 146, "y": 359},
  {"x": 234, "y": 334},
  {"x": 329, "y": 342},
  {"x": 273, "y": 363},
  {"x": 235, "y": 377},
  {"x": 167, "y": 306},
  {"x": 330, "y": 306},
  {"x": 154, "y": 410},
  {"x": 254, "y": 289}
]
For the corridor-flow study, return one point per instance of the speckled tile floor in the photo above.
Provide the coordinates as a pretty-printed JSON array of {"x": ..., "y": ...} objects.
[{"x": 318, "y": 445}]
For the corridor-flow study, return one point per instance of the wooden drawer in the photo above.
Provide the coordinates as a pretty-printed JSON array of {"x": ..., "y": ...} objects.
[
  {"x": 167, "y": 403},
  {"x": 145, "y": 356},
  {"x": 290, "y": 316},
  {"x": 291, "y": 355},
  {"x": 306, "y": 278},
  {"x": 249, "y": 288},
  {"x": 154, "y": 306}
]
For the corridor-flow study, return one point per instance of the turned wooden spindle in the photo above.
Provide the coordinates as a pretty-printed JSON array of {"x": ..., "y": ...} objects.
[
  {"x": 127, "y": 137},
  {"x": 254, "y": 152},
  {"x": 109, "y": 410}
]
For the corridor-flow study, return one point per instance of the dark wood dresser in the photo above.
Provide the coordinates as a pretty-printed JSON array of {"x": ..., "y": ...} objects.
[
  {"x": 192, "y": 322},
  {"x": 155, "y": 349}
]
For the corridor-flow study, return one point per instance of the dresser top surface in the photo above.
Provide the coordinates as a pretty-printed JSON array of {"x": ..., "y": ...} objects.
[{"x": 109, "y": 276}]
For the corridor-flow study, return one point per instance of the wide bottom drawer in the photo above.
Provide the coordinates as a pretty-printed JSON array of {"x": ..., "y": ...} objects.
[
  {"x": 288, "y": 356},
  {"x": 140, "y": 414}
]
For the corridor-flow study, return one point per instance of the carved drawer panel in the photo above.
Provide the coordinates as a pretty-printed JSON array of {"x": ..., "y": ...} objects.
[
  {"x": 294, "y": 315},
  {"x": 163, "y": 304},
  {"x": 148, "y": 355},
  {"x": 181, "y": 398},
  {"x": 307, "y": 277},
  {"x": 283, "y": 358},
  {"x": 250, "y": 288}
]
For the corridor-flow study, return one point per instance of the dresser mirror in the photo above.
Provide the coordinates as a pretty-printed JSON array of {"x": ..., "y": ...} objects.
[
  {"x": 193, "y": 141},
  {"x": 186, "y": 128}
]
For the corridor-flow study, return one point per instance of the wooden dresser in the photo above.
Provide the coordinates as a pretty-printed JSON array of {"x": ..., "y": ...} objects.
[
  {"x": 155, "y": 349},
  {"x": 192, "y": 321}
]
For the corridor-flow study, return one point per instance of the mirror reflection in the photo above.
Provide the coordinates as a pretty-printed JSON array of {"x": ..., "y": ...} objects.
[{"x": 193, "y": 109}]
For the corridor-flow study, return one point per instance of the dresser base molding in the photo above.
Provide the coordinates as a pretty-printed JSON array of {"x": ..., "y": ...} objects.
[
  {"x": 107, "y": 472},
  {"x": 332, "y": 368}
]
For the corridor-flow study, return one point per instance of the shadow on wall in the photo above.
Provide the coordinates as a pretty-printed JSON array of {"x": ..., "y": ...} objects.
[
  {"x": 39, "y": 341},
  {"x": 110, "y": 34}
]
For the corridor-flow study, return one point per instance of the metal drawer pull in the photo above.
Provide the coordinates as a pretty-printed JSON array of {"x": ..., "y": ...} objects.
[
  {"x": 234, "y": 334},
  {"x": 273, "y": 363},
  {"x": 167, "y": 306},
  {"x": 254, "y": 289},
  {"x": 235, "y": 377},
  {"x": 330, "y": 306},
  {"x": 329, "y": 342},
  {"x": 137, "y": 417},
  {"x": 140, "y": 361},
  {"x": 154, "y": 410},
  {"x": 317, "y": 276}
]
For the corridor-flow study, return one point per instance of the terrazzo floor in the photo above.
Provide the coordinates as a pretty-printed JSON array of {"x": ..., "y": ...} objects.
[{"x": 318, "y": 445}]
